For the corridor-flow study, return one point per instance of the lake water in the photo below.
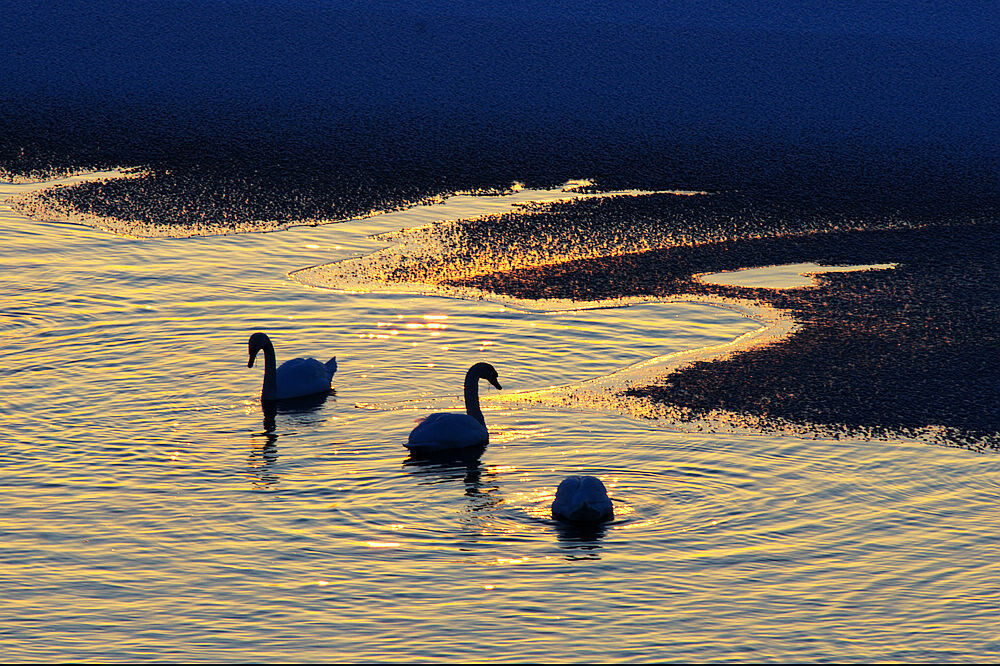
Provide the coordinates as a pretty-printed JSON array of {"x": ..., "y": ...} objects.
[{"x": 151, "y": 511}]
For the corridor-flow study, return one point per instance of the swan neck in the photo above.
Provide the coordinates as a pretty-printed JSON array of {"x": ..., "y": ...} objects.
[
  {"x": 269, "y": 391},
  {"x": 472, "y": 398}
]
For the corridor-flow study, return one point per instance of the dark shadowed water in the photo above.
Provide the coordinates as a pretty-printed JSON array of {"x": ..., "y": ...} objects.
[{"x": 152, "y": 511}]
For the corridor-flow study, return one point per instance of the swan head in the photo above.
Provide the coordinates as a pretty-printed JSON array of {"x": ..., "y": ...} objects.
[
  {"x": 257, "y": 342},
  {"x": 487, "y": 372}
]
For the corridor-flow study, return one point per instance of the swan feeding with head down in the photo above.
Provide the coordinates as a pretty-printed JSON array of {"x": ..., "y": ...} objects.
[
  {"x": 448, "y": 431},
  {"x": 582, "y": 499},
  {"x": 295, "y": 378}
]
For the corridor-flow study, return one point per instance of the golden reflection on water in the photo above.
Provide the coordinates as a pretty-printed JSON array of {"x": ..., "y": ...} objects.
[
  {"x": 135, "y": 524},
  {"x": 786, "y": 276}
]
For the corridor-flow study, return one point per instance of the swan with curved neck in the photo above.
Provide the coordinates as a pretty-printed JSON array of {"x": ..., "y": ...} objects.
[
  {"x": 449, "y": 431},
  {"x": 293, "y": 379},
  {"x": 582, "y": 499}
]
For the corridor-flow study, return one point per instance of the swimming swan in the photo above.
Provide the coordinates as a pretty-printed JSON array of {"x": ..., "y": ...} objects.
[
  {"x": 582, "y": 499},
  {"x": 447, "y": 431},
  {"x": 295, "y": 378}
]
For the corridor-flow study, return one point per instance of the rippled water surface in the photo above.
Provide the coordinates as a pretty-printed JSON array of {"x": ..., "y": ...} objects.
[{"x": 151, "y": 510}]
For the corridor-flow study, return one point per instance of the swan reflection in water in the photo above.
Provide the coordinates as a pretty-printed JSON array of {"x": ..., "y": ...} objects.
[
  {"x": 465, "y": 468},
  {"x": 264, "y": 455},
  {"x": 481, "y": 490},
  {"x": 580, "y": 541}
]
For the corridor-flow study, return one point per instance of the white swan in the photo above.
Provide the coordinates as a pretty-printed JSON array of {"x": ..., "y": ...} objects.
[
  {"x": 582, "y": 499},
  {"x": 295, "y": 378},
  {"x": 447, "y": 431}
]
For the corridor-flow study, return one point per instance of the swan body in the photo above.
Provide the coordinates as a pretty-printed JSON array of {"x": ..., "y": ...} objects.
[
  {"x": 293, "y": 379},
  {"x": 447, "y": 431},
  {"x": 582, "y": 499}
]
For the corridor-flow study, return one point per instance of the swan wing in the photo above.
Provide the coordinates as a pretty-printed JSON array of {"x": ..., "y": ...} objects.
[
  {"x": 582, "y": 499},
  {"x": 303, "y": 376},
  {"x": 446, "y": 431}
]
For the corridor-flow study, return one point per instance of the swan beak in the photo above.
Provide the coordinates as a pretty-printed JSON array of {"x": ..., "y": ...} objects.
[
  {"x": 496, "y": 384},
  {"x": 250, "y": 362}
]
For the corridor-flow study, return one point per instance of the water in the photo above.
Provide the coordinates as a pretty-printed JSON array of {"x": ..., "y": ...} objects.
[
  {"x": 151, "y": 510},
  {"x": 788, "y": 276}
]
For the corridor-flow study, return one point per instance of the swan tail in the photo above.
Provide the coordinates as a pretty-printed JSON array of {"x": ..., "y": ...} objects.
[
  {"x": 582, "y": 499},
  {"x": 331, "y": 366}
]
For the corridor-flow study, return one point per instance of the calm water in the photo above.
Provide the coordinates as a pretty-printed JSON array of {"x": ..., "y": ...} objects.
[{"x": 150, "y": 511}]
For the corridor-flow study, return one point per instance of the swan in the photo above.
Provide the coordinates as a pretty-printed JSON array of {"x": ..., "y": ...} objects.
[
  {"x": 295, "y": 378},
  {"x": 448, "y": 431},
  {"x": 582, "y": 499}
]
